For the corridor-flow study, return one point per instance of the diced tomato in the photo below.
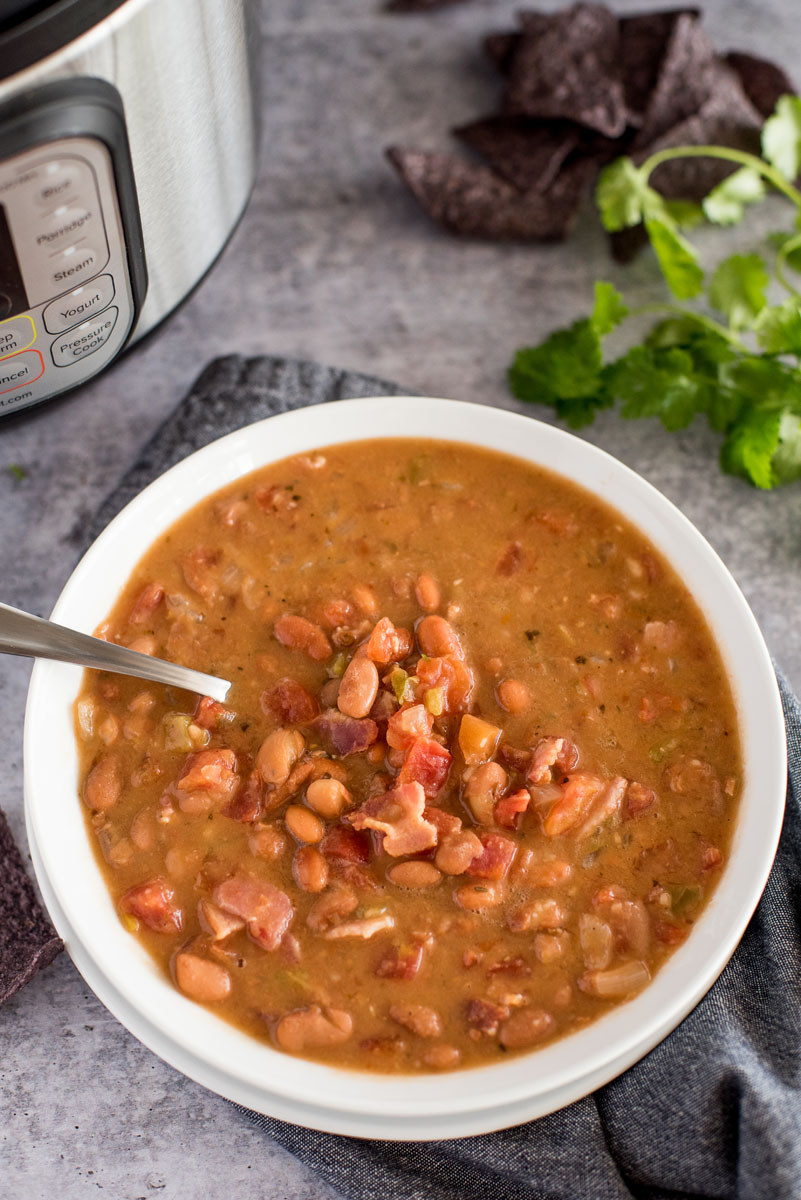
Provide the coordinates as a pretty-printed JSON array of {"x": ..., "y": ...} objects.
[
  {"x": 669, "y": 934},
  {"x": 711, "y": 858},
  {"x": 652, "y": 707},
  {"x": 443, "y": 822},
  {"x": 407, "y": 724},
  {"x": 146, "y": 604},
  {"x": 638, "y": 799},
  {"x": 449, "y": 673},
  {"x": 509, "y": 808},
  {"x": 496, "y": 857},
  {"x": 211, "y": 715},
  {"x": 212, "y": 771},
  {"x": 427, "y": 763},
  {"x": 403, "y": 962},
  {"x": 290, "y": 703},
  {"x": 387, "y": 644},
  {"x": 346, "y": 844},
  {"x": 509, "y": 562},
  {"x": 153, "y": 903}
]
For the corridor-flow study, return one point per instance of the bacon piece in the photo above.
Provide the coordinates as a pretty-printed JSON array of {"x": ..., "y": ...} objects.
[
  {"x": 290, "y": 703},
  {"x": 576, "y": 798},
  {"x": 495, "y": 859},
  {"x": 451, "y": 675},
  {"x": 399, "y": 816},
  {"x": 209, "y": 714},
  {"x": 652, "y": 707},
  {"x": 364, "y": 928},
  {"x": 403, "y": 962},
  {"x": 345, "y": 735},
  {"x": 509, "y": 808},
  {"x": 267, "y": 910},
  {"x": 509, "y": 562},
  {"x": 711, "y": 857},
  {"x": 510, "y": 965},
  {"x": 512, "y": 758},
  {"x": 486, "y": 1016},
  {"x": 409, "y": 723},
  {"x": 216, "y": 922},
  {"x": 443, "y": 822},
  {"x": 342, "y": 843},
  {"x": 428, "y": 764},
  {"x": 669, "y": 934},
  {"x": 212, "y": 771},
  {"x": 153, "y": 903},
  {"x": 384, "y": 706},
  {"x": 146, "y": 604},
  {"x": 638, "y": 799},
  {"x": 245, "y": 806},
  {"x": 387, "y": 644},
  {"x": 661, "y": 635},
  {"x": 551, "y": 752}
]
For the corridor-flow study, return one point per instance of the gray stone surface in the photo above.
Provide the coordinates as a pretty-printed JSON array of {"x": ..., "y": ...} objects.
[{"x": 332, "y": 261}]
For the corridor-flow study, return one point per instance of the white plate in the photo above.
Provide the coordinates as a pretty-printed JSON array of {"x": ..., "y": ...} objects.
[{"x": 362, "y": 1104}]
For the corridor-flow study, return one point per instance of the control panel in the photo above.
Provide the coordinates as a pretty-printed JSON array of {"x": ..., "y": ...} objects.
[{"x": 68, "y": 299}]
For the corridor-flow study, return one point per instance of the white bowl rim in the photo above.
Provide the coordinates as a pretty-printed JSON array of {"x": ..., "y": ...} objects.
[{"x": 54, "y": 816}]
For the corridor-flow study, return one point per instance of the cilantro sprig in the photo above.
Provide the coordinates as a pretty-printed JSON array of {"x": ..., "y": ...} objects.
[{"x": 734, "y": 356}]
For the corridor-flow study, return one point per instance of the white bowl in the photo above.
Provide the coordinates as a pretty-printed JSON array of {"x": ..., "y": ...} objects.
[{"x": 361, "y": 1104}]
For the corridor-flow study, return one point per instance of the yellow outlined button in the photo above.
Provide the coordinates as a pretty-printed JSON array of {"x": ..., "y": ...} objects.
[{"x": 15, "y": 334}]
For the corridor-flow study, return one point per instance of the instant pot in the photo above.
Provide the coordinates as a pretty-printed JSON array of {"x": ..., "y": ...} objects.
[{"x": 128, "y": 135}]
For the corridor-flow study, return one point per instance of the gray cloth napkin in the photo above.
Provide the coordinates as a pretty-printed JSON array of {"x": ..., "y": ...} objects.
[{"x": 714, "y": 1111}]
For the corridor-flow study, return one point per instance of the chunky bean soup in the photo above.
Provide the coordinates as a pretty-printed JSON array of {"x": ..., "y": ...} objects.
[{"x": 476, "y": 778}]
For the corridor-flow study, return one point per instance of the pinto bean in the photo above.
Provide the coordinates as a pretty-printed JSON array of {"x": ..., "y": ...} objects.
[
  {"x": 540, "y": 914},
  {"x": 526, "y": 1027},
  {"x": 456, "y": 852},
  {"x": 328, "y": 797},
  {"x": 427, "y": 593},
  {"x": 484, "y": 786},
  {"x": 442, "y": 1057},
  {"x": 476, "y": 897},
  {"x": 310, "y": 869},
  {"x": 297, "y": 633},
  {"x": 365, "y": 599},
  {"x": 421, "y": 1019},
  {"x": 266, "y": 841},
  {"x": 313, "y": 1028},
  {"x": 514, "y": 696},
  {"x": 416, "y": 873},
  {"x": 437, "y": 638},
  {"x": 306, "y": 826},
  {"x": 332, "y": 906},
  {"x": 103, "y": 786},
  {"x": 358, "y": 688},
  {"x": 596, "y": 942},
  {"x": 278, "y": 754},
  {"x": 200, "y": 979}
]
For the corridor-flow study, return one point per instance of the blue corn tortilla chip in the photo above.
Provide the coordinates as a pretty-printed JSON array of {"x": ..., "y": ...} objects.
[
  {"x": 567, "y": 66},
  {"x": 763, "y": 82},
  {"x": 475, "y": 202},
  {"x": 527, "y": 153},
  {"x": 28, "y": 942},
  {"x": 688, "y": 75},
  {"x": 644, "y": 38}
]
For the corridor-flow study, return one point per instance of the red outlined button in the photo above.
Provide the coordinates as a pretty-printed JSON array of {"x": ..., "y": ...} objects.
[{"x": 18, "y": 370}]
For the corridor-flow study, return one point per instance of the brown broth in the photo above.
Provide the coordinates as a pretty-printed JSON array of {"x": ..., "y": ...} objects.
[{"x": 534, "y": 572}]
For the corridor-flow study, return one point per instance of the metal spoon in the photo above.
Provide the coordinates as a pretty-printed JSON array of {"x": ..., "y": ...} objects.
[{"x": 21, "y": 633}]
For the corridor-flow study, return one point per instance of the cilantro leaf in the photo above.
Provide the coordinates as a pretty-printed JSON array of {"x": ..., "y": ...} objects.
[
  {"x": 565, "y": 372},
  {"x": 787, "y": 456},
  {"x": 621, "y": 195},
  {"x": 780, "y": 240},
  {"x": 737, "y": 288},
  {"x": 609, "y": 309},
  {"x": 684, "y": 213},
  {"x": 781, "y": 137},
  {"x": 750, "y": 446},
  {"x": 655, "y": 383},
  {"x": 677, "y": 259},
  {"x": 725, "y": 204},
  {"x": 778, "y": 328}
]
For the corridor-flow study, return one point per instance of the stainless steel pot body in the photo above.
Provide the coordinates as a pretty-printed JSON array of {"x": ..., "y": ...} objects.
[{"x": 185, "y": 72}]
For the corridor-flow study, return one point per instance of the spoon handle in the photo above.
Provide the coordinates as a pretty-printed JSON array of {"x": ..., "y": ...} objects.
[{"x": 21, "y": 633}]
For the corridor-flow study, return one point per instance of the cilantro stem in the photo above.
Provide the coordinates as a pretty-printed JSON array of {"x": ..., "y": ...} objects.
[
  {"x": 677, "y": 311},
  {"x": 741, "y": 157},
  {"x": 793, "y": 243}
]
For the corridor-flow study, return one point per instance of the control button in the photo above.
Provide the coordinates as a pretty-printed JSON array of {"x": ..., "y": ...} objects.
[
  {"x": 15, "y": 335},
  {"x": 76, "y": 264},
  {"x": 68, "y": 224},
  {"x": 58, "y": 182},
  {"x": 84, "y": 339},
  {"x": 20, "y": 369},
  {"x": 77, "y": 305}
]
